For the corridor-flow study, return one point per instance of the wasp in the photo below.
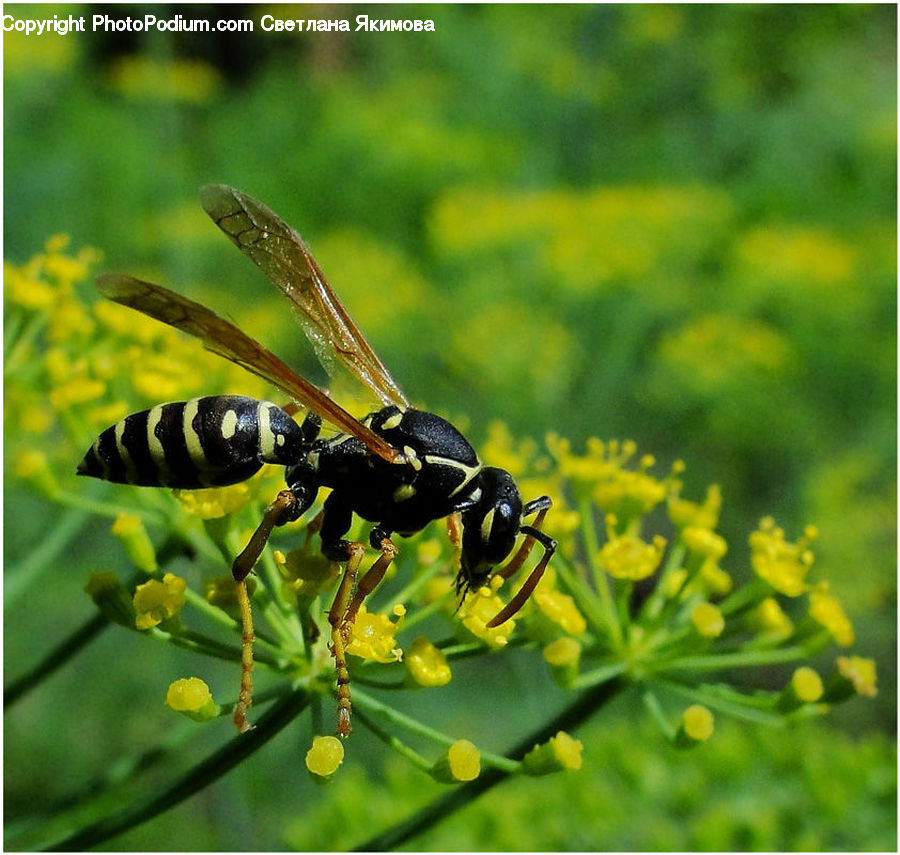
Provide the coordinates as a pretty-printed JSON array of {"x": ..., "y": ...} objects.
[{"x": 398, "y": 467}]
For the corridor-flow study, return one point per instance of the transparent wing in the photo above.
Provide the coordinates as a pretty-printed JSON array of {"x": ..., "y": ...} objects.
[
  {"x": 283, "y": 256},
  {"x": 225, "y": 339}
]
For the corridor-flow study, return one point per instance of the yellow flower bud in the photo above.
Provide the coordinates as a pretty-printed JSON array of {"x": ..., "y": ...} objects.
[
  {"x": 130, "y": 530},
  {"x": 156, "y": 601},
  {"x": 427, "y": 664},
  {"x": 563, "y": 656},
  {"x": 697, "y": 725},
  {"x": 826, "y": 609},
  {"x": 192, "y": 697},
  {"x": 807, "y": 685},
  {"x": 782, "y": 564},
  {"x": 855, "y": 675},
  {"x": 560, "y": 753},
  {"x": 325, "y": 755},
  {"x": 708, "y": 620},
  {"x": 461, "y": 762}
]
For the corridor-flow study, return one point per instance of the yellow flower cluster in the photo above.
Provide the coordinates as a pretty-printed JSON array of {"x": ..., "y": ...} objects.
[
  {"x": 480, "y": 608},
  {"x": 178, "y": 79},
  {"x": 627, "y": 493},
  {"x": 715, "y": 353},
  {"x": 825, "y": 608},
  {"x": 215, "y": 502},
  {"x": 156, "y": 601},
  {"x": 373, "y": 635},
  {"x": 782, "y": 564},
  {"x": 627, "y": 556},
  {"x": 557, "y": 607},
  {"x": 586, "y": 241},
  {"x": 796, "y": 256}
]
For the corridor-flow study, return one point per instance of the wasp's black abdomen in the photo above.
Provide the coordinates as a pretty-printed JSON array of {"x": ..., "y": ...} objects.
[{"x": 205, "y": 442}]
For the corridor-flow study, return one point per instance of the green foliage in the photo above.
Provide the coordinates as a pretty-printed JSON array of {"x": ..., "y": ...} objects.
[
  {"x": 674, "y": 224},
  {"x": 747, "y": 792}
]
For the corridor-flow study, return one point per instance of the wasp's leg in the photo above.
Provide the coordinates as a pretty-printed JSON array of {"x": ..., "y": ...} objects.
[
  {"x": 355, "y": 552},
  {"x": 288, "y": 506},
  {"x": 454, "y": 531},
  {"x": 335, "y": 521},
  {"x": 380, "y": 540},
  {"x": 343, "y": 614},
  {"x": 245, "y": 696}
]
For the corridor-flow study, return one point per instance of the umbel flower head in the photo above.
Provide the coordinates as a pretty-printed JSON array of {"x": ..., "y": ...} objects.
[{"x": 642, "y": 591}]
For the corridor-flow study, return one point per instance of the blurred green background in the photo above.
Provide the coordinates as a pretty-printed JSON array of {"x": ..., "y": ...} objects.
[{"x": 674, "y": 224}]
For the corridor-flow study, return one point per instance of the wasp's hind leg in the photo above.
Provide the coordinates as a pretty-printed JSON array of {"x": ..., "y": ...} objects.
[{"x": 288, "y": 506}]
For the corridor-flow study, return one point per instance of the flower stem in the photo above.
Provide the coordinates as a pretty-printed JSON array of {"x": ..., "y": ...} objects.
[
  {"x": 198, "y": 778},
  {"x": 441, "y": 808},
  {"x": 55, "y": 659}
]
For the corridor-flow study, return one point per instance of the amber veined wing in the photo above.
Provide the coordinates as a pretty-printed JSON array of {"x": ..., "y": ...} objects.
[
  {"x": 225, "y": 339},
  {"x": 286, "y": 260}
]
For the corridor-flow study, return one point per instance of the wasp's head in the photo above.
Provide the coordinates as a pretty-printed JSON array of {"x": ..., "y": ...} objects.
[{"x": 490, "y": 526}]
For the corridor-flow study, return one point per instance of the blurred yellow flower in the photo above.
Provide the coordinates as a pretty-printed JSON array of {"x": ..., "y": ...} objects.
[
  {"x": 156, "y": 601},
  {"x": 826, "y": 609},
  {"x": 628, "y": 557},
  {"x": 782, "y": 564},
  {"x": 860, "y": 672},
  {"x": 807, "y": 685},
  {"x": 214, "y": 502},
  {"x": 707, "y": 620},
  {"x": 697, "y": 723},
  {"x": 179, "y": 79}
]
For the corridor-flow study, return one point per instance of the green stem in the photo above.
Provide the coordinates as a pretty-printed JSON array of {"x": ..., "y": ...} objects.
[
  {"x": 599, "y": 675},
  {"x": 651, "y": 702},
  {"x": 197, "y": 643},
  {"x": 732, "y": 703},
  {"x": 394, "y": 742},
  {"x": 193, "y": 781},
  {"x": 20, "y": 577},
  {"x": 610, "y": 625},
  {"x": 745, "y": 597},
  {"x": 413, "y": 726},
  {"x": 585, "y": 598},
  {"x": 745, "y": 659},
  {"x": 55, "y": 659},
  {"x": 441, "y": 808}
]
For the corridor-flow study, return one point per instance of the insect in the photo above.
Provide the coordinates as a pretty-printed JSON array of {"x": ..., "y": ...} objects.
[{"x": 398, "y": 467}]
